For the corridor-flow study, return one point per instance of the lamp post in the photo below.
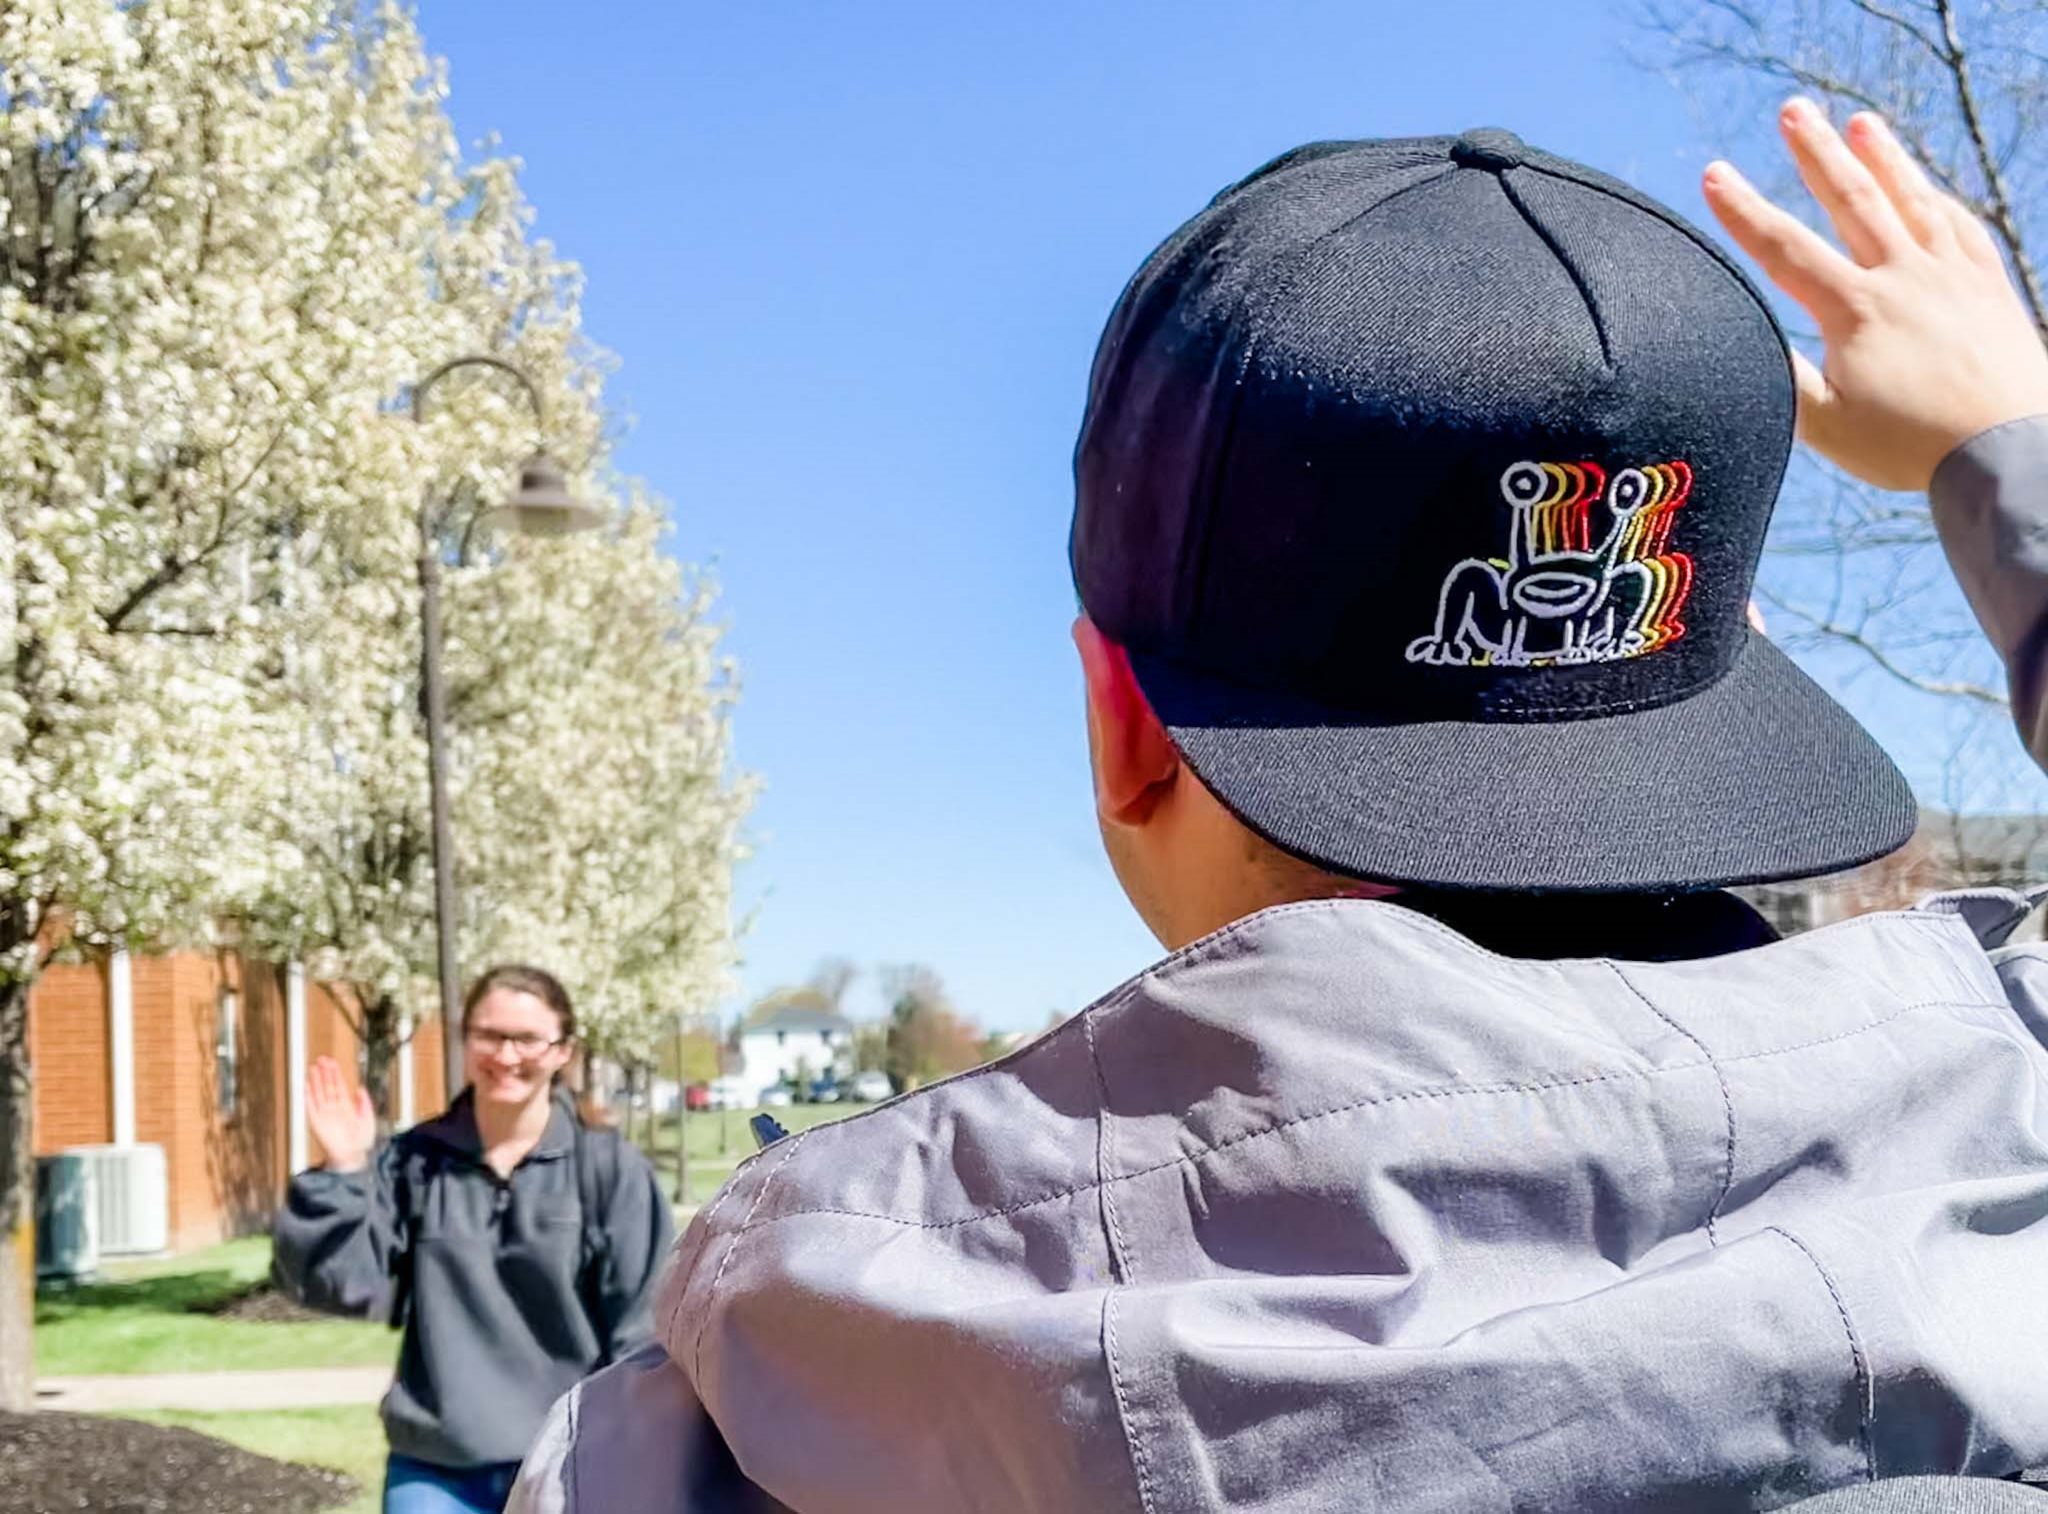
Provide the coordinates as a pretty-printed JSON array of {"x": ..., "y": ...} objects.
[{"x": 541, "y": 506}]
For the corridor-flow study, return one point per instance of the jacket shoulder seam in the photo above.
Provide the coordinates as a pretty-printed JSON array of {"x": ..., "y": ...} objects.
[
  {"x": 1409, "y": 1095},
  {"x": 1866, "y": 1399},
  {"x": 1720, "y": 1078},
  {"x": 687, "y": 1276},
  {"x": 1105, "y": 1162},
  {"x": 732, "y": 1246},
  {"x": 1141, "y": 1465},
  {"x": 572, "y": 1496}
]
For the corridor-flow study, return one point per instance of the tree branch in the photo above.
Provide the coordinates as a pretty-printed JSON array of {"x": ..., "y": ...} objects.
[
  {"x": 1814, "y": 80},
  {"x": 1853, "y": 636},
  {"x": 1891, "y": 18},
  {"x": 177, "y": 566},
  {"x": 2001, "y": 216}
]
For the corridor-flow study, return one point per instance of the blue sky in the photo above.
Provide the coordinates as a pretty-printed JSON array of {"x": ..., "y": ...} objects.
[{"x": 854, "y": 260}]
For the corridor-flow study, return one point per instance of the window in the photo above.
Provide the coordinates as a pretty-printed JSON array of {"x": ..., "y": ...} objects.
[{"x": 225, "y": 1050}]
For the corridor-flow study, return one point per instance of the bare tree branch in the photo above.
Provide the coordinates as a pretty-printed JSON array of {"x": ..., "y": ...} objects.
[
  {"x": 1893, "y": 19},
  {"x": 1854, "y": 636},
  {"x": 1961, "y": 83},
  {"x": 2003, "y": 221}
]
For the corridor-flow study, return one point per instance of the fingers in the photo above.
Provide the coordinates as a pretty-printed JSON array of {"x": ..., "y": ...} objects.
[
  {"x": 322, "y": 1079},
  {"x": 362, "y": 1106},
  {"x": 1912, "y": 195},
  {"x": 1862, "y": 213},
  {"x": 1816, "y": 402},
  {"x": 1792, "y": 254},
  {"x": 1973, "y": 236}
]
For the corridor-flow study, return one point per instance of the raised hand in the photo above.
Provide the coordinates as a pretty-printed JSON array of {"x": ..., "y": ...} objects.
[
  {"x": 340, "y": 1116},
  {"x": 1927, "y": 342}
]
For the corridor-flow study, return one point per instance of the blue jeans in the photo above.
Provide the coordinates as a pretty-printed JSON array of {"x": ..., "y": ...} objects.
[{"x": 418, "y": 1487}]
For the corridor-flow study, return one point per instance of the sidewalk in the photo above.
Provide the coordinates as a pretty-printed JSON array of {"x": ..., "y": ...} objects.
[{"x": 305, "y": 1388}]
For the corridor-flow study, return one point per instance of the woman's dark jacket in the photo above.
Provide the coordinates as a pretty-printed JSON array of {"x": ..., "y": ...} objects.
[{"x": 503, "y": 1303}]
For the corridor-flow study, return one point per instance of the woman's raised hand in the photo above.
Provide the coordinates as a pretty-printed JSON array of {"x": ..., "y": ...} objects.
[
  {"x": 340, "y": 1116},
  {"x": 1926, "y": 341}
]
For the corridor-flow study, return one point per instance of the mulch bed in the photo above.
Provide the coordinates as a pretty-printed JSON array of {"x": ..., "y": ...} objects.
[
  {"x": 262, "y": 1303},
  {"x": 52, "y": 1461}
]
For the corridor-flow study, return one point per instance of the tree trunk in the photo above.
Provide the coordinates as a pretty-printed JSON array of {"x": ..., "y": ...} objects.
[
  {"x": 17, "y": 1203},
  {"x": 380, "y": 1050},
  {"x": 682, "y": 1122}
]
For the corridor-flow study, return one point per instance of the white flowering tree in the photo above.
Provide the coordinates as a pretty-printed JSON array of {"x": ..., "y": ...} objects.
[
  {"x": 232, "y": 234},
  {"x": 596, "y": 815},
  {"x": 348, "y": 805},
  {"x": 199, "y": 205}
]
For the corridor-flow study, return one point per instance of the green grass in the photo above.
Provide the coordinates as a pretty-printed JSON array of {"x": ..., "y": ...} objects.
[
  {"x": 720, "y": 1141},
  {"x": 147, "y": 1317},
  {"x": 347, "y": 1439}
]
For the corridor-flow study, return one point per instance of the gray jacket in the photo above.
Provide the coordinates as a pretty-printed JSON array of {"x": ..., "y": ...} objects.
[
  {"x": 1336, "y": 1209},
  {"x": 501, "y": 1318}
]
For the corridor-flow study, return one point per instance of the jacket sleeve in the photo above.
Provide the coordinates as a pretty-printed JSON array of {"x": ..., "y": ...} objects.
[
  {"x": 639, "y": 1232},
  {"x": 339, "y": 1238},
  {"x": 1990, "y": 501}
]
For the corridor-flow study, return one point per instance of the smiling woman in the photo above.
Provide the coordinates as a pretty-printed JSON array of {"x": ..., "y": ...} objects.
[
  {"x": 530, "y": 1242},
  {"x": 518, "y": 1027}
]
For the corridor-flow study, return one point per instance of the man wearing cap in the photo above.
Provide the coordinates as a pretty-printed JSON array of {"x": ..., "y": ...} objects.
[{"x": 1472, "y": 1149}]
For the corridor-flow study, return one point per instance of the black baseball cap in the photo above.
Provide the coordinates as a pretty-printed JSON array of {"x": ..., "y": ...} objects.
[{"x": 1424, "y": 481}]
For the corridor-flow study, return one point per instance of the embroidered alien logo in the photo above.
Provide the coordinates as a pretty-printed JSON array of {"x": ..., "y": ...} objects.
[{"x": 1556, "y": 599}]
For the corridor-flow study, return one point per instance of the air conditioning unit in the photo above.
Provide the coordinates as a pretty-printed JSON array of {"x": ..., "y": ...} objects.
[
  {"x": 131, "y": 1198},
  {"x": 67, "y": 1222}
]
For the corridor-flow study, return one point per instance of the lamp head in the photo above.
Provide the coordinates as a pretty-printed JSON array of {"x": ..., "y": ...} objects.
[{"x": 542, "y": 504}]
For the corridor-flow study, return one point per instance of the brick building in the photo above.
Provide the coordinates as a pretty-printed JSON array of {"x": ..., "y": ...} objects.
[
  {"x": 1947, "y": 851},
  {"x": 205, "y": 1056}
]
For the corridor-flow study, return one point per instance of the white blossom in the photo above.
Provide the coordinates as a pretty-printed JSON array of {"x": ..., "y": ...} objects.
[{"x": 233, "y": 233}]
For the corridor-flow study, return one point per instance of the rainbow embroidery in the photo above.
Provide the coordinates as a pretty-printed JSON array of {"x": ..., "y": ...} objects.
[{"x": 1557, "y": 599}]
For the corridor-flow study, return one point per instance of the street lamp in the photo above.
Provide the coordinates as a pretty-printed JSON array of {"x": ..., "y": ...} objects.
[{"x": 542, "y": 506}]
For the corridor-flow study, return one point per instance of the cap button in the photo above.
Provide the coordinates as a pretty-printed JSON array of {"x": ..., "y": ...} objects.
[{"x": 1488, "y": 147}]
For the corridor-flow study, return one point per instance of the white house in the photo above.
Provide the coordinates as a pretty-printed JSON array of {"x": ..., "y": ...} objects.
[{"x": 797, "y": 1041}]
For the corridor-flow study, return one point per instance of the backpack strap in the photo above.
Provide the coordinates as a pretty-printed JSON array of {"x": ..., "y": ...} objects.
[{"x": 597, "y": 1183}]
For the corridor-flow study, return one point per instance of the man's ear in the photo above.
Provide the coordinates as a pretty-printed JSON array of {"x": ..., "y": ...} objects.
[{"x": 1135, "y": 760}]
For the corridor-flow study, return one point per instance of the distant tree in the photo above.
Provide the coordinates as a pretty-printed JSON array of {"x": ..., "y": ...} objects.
[
  {"x": 871, "y": 1048},
  {"x": 926, "y": 1037},
  {"x": 695, "y": 1056},
  {"x": 831, "y": 978},
  {"x": 1000, "y": 1043}
]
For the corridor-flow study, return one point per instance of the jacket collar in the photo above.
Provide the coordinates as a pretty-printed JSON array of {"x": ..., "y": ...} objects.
[
  {"x": 1620, "y": 927},
  {"x": 455, "y": 1128}
]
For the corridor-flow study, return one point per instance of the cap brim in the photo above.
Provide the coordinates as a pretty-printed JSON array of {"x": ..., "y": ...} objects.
[{"x": 1758, "y": 777}]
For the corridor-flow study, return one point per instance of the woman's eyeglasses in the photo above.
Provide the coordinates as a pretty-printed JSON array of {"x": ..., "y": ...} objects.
[{"x": 491, "y": 1042}]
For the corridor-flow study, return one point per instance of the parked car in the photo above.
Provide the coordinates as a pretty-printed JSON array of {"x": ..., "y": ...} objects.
[
  {"x": 870, "y": 1087},
  {"x": 824, "y": 1091},
  {"x": 697, "y": 1097},
  {"x": 775, "y": 1098}
]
